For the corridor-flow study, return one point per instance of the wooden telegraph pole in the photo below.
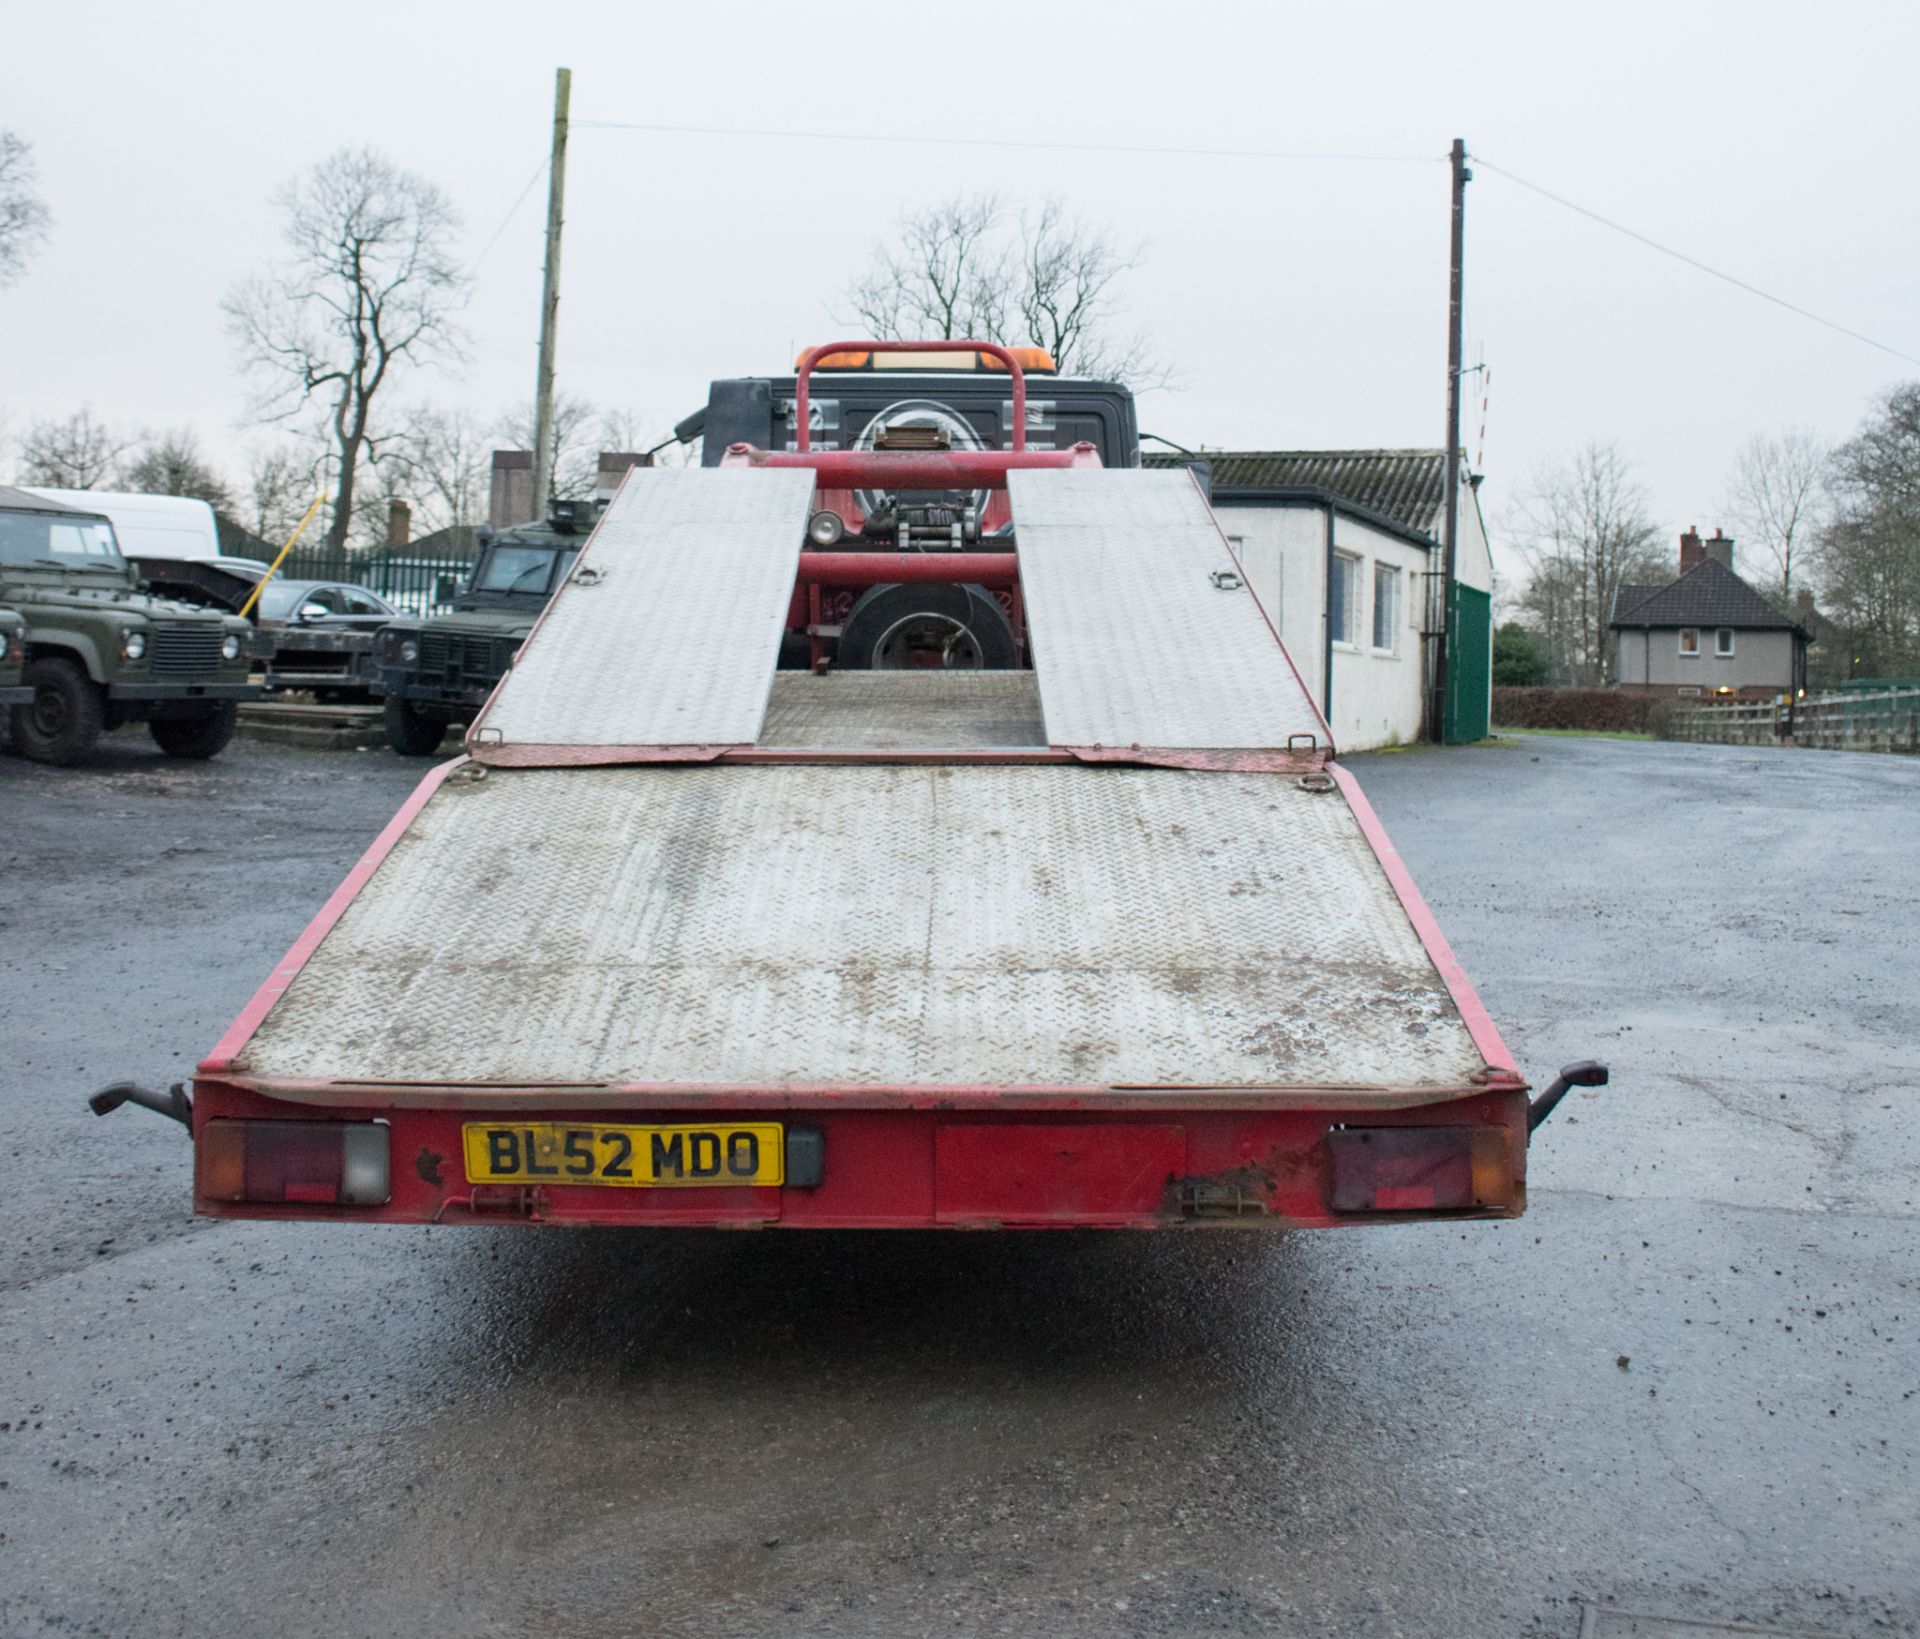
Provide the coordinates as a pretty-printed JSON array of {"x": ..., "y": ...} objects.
[
  {"x": 550, "y": 297},
  {"x": 1450, "y": 526}
]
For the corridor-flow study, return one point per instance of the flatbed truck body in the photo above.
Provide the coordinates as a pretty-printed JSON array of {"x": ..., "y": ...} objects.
[{"x": 688, "y": 940}]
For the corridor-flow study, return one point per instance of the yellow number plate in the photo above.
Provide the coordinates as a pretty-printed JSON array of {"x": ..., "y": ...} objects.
[{"x": 537, "y": 1152}]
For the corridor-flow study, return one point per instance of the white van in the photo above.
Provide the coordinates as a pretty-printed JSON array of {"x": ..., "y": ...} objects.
[{"x": 149, "y": 526}]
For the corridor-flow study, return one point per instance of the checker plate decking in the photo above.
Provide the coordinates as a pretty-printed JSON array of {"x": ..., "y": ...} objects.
[
  {"x": 1134, "y": 640},
  {"x": 873, "y": 925},
  {"x": 667, "y": 631}
]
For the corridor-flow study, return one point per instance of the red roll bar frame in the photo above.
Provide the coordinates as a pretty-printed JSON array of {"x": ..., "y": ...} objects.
[
  {"x": 998, "y": 570},
  {"x": 911, "y": 469},
  {"x": 802, "y": 415}
]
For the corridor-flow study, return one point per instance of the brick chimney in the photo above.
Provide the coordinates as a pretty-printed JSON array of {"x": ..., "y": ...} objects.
[
  {"x": 399, "y": 523},
  {"x": 1692, "y": 553},
  {"x": 510, "y": 497},
  {"x": 613, "y": 468},
  {"x": 1719, "y": 547}
]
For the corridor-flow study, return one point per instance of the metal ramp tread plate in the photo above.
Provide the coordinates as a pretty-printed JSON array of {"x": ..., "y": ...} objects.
[
  {"x": 1144, "y": 634},
  {"x": 904, "y": 710},
  {"x": 668, "y": 629},
  {"x": 874, "y": 925}
]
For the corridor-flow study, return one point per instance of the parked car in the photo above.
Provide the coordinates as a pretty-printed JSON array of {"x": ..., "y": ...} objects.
[{"x": 318, "y": 635}]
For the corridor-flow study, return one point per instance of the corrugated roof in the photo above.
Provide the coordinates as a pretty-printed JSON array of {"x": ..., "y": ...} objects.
[
  {"x": 1406, "y": 486},
  {"x": 1708, "y": 594}
]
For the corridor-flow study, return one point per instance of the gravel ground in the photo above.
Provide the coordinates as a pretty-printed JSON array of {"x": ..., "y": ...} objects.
[{"x": 1687, "y": 1382}]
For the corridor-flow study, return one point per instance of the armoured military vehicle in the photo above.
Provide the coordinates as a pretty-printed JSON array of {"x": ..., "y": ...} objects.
[{"x": 439, "y": 672}]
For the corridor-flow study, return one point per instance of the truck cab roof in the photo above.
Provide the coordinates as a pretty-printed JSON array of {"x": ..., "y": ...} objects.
[{"x": 973, "y": 408}]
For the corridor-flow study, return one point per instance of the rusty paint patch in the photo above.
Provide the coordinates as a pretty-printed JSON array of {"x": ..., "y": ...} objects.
[{"x": 427, "y": 1164}]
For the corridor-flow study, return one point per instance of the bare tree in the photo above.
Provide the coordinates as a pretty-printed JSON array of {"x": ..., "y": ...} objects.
[
  {"x": 369, "y": 288},
  {"x": 1066, "y": 299},
  {"x": 942, "y": 276},
  {"x": 24, "y": 217},
  {"x": 1870, "y": 549},
  {"x": 576, "y": 430},
  {"x": 1776, "y": 499},
  {"x": 1586, "y": 530},
  {"x": 973, "y": 267},
  {"x": 282, "y": 480},
  {"x": 79, "y": 452},
  {"x": 448, "y": 460},
  {"x": 172, "y": 464}
]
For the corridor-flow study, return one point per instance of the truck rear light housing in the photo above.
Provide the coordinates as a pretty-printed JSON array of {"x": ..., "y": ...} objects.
[
  {"x": 1421, "y": 1169},
  {"x": 293, "y": 1163}
]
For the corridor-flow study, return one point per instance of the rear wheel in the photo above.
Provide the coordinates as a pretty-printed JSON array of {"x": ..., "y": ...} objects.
[
  {"x": 64, "y": 718},
  {"x": 200, "y": 734},
  {"x": 931, "y": 627},
  {"x": 413, "y": 731}
]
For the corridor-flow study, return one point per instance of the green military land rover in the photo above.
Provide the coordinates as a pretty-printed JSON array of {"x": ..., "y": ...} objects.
[
  {"x": 102, "y": 651},
  {"x": 13, "y": 657},
  {"x": 439, "y": 672}
]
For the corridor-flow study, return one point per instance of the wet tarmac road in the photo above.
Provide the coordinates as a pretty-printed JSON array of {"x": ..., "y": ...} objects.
[{"x": 249, "y": 1428}]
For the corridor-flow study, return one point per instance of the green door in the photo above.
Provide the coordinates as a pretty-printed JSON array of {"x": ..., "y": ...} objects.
[{"x": 1469, "y": 666}]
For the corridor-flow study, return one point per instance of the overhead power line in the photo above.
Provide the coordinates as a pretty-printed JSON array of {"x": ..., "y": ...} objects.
[
  {"x": 870, "y": 139},
  {"x": 513, "y": 210},
  {"x": 1691, "y": 261}
]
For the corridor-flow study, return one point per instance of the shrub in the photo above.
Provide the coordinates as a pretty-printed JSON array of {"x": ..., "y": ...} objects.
[
  {"x": 1518, "y": 660},
  {"x": 1600, "y": 710}
]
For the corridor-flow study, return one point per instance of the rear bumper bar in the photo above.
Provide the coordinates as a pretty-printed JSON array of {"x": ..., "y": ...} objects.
[
  {"x": 455, "y": 697},
  {"x": 16, "y": 695},
  {"x": 183, "y": 691},
  {"x": 905, "y": 1168}
]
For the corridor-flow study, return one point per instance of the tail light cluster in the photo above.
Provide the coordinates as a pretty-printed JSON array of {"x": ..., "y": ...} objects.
[
  {"x": 292, "y": 1163},
  {"x": 1421, "y": 1169}
]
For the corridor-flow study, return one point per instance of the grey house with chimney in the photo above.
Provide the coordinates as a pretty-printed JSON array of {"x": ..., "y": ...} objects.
[{"x": 1706, "y": 633}]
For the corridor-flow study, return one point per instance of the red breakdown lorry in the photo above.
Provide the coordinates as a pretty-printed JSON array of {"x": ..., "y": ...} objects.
[{"x": 917, "y": 828}]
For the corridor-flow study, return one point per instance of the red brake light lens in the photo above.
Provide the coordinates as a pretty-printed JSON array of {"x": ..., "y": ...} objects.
[
  {"x": 1421, "y": 1169},
  {"x": 293, "y": 1163}
]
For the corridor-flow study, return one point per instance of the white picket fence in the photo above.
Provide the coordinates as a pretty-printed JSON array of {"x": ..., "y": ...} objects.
[{"x": 1885, "y": 721}]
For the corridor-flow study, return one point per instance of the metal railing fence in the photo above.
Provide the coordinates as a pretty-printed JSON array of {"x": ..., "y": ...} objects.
[{"x": 417, "y": 586}]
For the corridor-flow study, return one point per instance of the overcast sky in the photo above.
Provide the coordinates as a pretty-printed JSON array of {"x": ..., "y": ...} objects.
[{"x": 1305, "y": 301}]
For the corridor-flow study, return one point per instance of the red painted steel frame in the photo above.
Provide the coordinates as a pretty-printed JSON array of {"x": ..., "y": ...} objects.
[
  {"x": 992, "y": 569},
  {"x": 911, "y": 469},
  {"x": 885, "y": 1170},
  {"x": 802, "y": 410}
]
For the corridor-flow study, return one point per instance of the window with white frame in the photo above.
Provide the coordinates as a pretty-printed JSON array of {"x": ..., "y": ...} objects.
[
  {"x": 1386, "y": 606},
  {"x": 1723, "y": 642},
  {"x": 1689, "y": 641},
  {"x": 1343, "y": 600}
]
